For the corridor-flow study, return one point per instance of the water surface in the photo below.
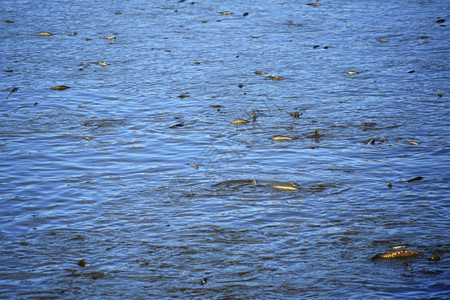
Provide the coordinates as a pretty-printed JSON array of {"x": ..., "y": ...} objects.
[{"x": 101, "y": 171}]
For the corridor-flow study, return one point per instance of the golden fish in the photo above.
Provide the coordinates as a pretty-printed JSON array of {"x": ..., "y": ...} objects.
[
  {"x": 239, "y": 122},
  {"x": 396, "y": 254},
  {"x": 60, "y": 87},
  {"x": 284, "y": 187},
  {"x": 291, "y": 187},
  {"x": 282, "y": 138}
]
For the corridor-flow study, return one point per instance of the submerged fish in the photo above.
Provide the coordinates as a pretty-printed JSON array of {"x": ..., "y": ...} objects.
[
  {"x": 291, "y": 187},
  {"x": 60, "y": 87},
  {"x": 239, "y": 122},
  {"x": 282, "y": 138},
  {"x": 396, "y": 254}
]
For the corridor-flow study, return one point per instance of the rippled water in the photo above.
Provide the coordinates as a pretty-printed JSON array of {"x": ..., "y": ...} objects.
[{"x": 101, "y": 171}]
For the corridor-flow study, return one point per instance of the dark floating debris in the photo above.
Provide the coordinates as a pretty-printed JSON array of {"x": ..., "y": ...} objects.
[
  {"x": 203, "y": 280},
  {"x": 13, "y": 90},
  {"x": 435, "y": 257},
  {"x": 9, "y": 21},
  {"x": 440, "y": 21},
  {"x": 389, "y": 185},
  {"x": 183, "y": 96},
  {"x": 313, "y": 4},
  {"x": 439, "y": 95},
  {"x": 194, "y": 165},
  {"x": 254, "y": 115},
  {"x": 393, "y": 254},
  {"x": 295, "y": 114},
  {"x": 60, "y": 87},
  {"x": 177, "y": 125},
  {"x": 316, "y": 134},
  {"x": 374, "y": 141},
  {"x": 82, "y": 263},
  {"x": 415, "y": 179},
  {"x": 245, "y": 14},
  {"x": 276, "y": 77}
]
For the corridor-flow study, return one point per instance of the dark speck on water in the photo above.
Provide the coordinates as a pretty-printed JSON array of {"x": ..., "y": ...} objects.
[{"x": 201, "y": 117}]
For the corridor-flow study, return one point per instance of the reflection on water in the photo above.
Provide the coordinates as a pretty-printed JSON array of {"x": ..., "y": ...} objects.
[{"x": 138, "y": 170}]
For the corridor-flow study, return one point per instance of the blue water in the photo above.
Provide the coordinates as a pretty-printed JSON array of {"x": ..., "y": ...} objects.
[{"x": 101, "y": 171}]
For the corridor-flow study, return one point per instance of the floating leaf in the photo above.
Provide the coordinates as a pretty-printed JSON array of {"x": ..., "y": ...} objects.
[
  {"x": 260, "y": 72},
  {"x": 352, "y": 72},
  {"x": 226, "y": 13},
  {"x": 109, "y": 37},
  {"x": 44, "y": 34},
  {"x": 102, "y": 63},
  {"x": 87, "y": 138},
  {"x": 313, "y": 4},
  {"x": 60, "y": 87}
]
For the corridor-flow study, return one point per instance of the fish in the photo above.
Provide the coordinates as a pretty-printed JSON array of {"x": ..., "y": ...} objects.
[
  {"x": 60, "y": 87},
  {"x": 284, "y": 187},
  {"x": 392, "y": 254},
  {"x": 282, "y": 138},
  {"x": 239, "y": 122},
  {"x": 291, "y": 187}
]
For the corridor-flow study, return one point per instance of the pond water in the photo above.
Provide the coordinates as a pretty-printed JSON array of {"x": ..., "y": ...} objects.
[{"x": 137, "y": 169}]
